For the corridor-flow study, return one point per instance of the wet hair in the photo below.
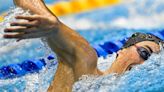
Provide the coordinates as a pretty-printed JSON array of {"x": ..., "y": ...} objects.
[{"x": 139, "y": 37}]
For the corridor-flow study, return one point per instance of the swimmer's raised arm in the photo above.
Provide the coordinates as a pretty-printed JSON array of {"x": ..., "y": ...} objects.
[
  {"x": 75, "y": 53},
  {"x": 35, "y": 6}
]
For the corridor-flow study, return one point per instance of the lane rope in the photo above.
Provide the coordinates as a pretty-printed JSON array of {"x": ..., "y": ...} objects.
[
  {"x": 35, "y": 65},
  {"x": 63, "y": 8}
]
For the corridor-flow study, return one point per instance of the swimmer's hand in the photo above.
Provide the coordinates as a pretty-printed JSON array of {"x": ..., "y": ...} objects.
[{"x": 35, "y": 26}]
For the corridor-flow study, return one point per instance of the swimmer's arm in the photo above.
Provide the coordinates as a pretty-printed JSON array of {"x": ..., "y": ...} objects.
[
  {"x": 69, "y": 46},
  {"x": 74, "y": 50},
  {"x": 35, "y": 6}
]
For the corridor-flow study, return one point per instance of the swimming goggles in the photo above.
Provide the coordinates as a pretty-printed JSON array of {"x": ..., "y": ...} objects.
[{"x": 143, "y": 52}]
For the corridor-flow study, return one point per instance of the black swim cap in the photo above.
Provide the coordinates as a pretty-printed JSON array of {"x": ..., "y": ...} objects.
[{"x": 139, "y": 37}]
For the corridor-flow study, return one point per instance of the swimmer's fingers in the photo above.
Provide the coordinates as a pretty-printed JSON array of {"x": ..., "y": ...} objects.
[
  {"x": 26, "y": 24},
  {"x": 29, "y": 17},
  {"x": 21, "y": 36},
  {"x": 21, "y": 29},
  {"x": 9, "y": 36},
  {"x": 15, "y": 29}
]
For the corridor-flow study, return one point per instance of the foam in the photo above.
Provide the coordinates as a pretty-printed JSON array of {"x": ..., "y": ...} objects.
[
  {"x": 12, "y": 51},
  {"x": 142, "y": 78},
  {"x": 146, "y": 77}
]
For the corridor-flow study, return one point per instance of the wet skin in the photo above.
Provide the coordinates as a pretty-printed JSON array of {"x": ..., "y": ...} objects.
[
  {"x": 129, "y": 57},
  {"x": 75, "y": 55}
]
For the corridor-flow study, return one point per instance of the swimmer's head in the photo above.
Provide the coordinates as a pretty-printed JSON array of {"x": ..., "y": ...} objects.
[
  {"x": 139, "y": 37},
  {"x": 138, "y": 48}
]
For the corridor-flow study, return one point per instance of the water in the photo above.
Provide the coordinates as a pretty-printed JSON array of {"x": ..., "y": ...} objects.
[
  {"x": 131, "y": 14},
  {"x": 141, "y": 17},
  {"x": 147, "y": 77},
  {"x": 143, "y": 14},
  {"x": 107, "y": 24},
  {"x": 37, "y": 82},
  {"x": 12, "y": 51}
]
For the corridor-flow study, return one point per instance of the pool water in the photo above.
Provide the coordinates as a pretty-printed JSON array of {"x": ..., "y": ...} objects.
[
  {"x": 98, "y": 26},
  {"x": 12, "y": 51}
]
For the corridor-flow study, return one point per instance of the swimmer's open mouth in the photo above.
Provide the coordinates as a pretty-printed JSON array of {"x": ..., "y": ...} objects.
[{"x": 129, "y": 67}]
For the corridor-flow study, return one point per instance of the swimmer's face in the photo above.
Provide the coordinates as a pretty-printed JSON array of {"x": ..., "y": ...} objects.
[{"x": 132, "y": 56}]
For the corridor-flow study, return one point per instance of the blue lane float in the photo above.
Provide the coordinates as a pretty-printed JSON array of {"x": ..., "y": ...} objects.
[
  {"x": 26, "y": 67},
  {"x": 35, "y": 65},
  {"x": 110, "y": 47}
]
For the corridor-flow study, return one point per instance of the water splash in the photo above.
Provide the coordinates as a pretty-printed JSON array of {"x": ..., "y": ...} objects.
[
  {"x": 12, "y": 51},
  {"x": 37, "y": 82},
  {"x": 10, "y": 17},
  {"x": 147, "y": 77}
]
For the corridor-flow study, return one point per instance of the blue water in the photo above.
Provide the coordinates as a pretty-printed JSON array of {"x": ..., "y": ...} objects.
[{"x": 144, "y": 78}]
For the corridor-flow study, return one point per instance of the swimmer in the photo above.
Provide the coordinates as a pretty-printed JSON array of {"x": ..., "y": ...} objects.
[{"x": 75, "y": 55}]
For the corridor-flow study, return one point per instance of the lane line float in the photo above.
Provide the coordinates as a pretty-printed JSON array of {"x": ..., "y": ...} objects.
[
  {"x": 35, "y": 65},
  {"x": 77, "y": 6}
]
